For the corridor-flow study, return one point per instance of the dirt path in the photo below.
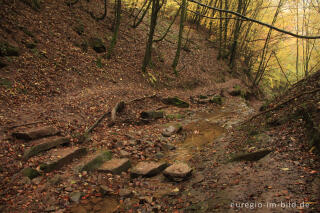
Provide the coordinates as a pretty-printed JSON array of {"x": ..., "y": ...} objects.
[{"x": 209, "y": 139}]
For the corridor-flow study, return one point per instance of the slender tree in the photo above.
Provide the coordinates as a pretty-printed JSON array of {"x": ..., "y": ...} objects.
[
  {"x": 153, "y": 23},
  {"x": 115, "y": 29},
  {"x": 182, "y": 17}
]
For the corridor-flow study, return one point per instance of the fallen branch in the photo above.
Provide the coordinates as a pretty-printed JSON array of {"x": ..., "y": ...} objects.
[{"x": 283, "y": 103}]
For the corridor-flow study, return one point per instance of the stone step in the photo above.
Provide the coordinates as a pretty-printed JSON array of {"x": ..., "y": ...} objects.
[
  {"x": 147, "y": 169},
  {"x": 44, "y": 144},
  {"x": 35, "y": 133},
  {"x": 115, "y": 166},
  {"x": 62, "y": 156},
  {"x": 94, "y": 161}
]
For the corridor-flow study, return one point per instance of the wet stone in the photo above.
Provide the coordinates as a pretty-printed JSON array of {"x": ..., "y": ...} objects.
[
  {"x": 171, "y": 130},
  {"x": 178, "y": 172}
]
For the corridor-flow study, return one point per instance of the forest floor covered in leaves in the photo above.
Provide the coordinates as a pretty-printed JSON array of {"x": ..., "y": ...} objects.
[{"x": 58, "y": 83}]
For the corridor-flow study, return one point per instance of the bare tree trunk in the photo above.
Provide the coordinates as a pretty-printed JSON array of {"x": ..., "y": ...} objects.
[
  {"x": 116, "y": 28},
  {"x": 154, "y": 16},
  {"x": 182, "y": 17}
]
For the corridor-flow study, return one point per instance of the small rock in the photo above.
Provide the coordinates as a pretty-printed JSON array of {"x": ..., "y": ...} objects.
[
  {"x": 172, "y": 129},
  {"x": 178, "y": 172},
  {"x": 146, "y": 199},
  {"x": 105, "y": 190},
  {"x": 125, "y": 192},
  {"x": 75, "y": 196},
  {"x": 68, "y": 189},
  {"x": 147, "y": 169}
]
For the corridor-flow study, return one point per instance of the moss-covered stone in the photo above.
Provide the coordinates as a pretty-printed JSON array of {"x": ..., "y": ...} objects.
[
  {"x": 174, "y": 101},
  {"x": 8, "y": 50},
  {"x": 253, "y": 156},
  {"x": 152, "y": 114},
  {"x": 216, "y": 99},
  {"x": 97, "y": 161},
  {"x": 97, "y": 45},
  {"x": 30, "y": 173}
]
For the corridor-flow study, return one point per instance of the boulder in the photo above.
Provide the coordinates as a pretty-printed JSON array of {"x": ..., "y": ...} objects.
[
  {"x": 115, "y": 166},
  {"x": 178, "y": 172},
  {"x": 147, "y": 169}
]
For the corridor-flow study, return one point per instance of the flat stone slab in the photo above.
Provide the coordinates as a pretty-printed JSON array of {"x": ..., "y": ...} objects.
[
  {"x": 35, "y": 133},
  {"x": 44, "y": 144},
  {"x": 115, "y": 166},
  {"x": 61, "y": 157},
  {"x": 95, "y": 161},
  {"x": 178, "y": 172},
  {"x": 147, "y": 169}
]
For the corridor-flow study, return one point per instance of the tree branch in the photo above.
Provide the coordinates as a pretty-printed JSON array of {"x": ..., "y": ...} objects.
[{"x": 256, "y": 21}]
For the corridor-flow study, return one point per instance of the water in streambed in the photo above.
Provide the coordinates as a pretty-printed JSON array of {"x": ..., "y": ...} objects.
[{"x": 200, "y": 131}]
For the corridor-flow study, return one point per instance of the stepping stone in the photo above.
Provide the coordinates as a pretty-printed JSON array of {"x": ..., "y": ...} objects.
[
  {"x": 61, "y": 157},
  {"x": 178, "y": 172},
  {"x": 174, "y": 101},
  {"x": 96, "y": 160},
  {"x": 152, "y": 114},
  {"x": 115, "y": 166},
  {"x": 147, "y": 169},
  {"x": 44, "y": 144},
  {"x": 171, "y": 130},
  {"x": 35, "y": 133}
]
